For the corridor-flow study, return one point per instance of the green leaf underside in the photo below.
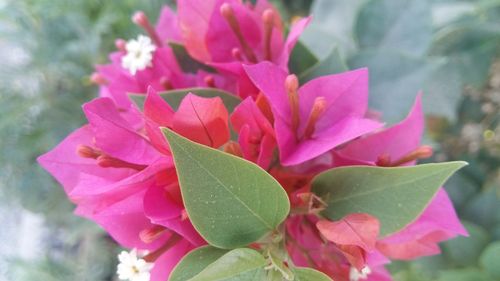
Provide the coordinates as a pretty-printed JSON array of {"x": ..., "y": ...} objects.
[
  {"x": 175, "y": 97},
  {"x": 396, "y": 196},
  {"x": 237, "y": 265},
  {"x": 309, "y": 274},
  {"x": 194, "y": 262},
  {"x": 332, "y": 64},
  {"x": 230, "y": 201}
]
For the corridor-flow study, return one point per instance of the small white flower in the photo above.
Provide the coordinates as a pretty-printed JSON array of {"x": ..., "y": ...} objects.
[
  {"x": 132, "y": 268},
  {"x": 356, "y": 275},
  {"x": 139, "y": 54}
]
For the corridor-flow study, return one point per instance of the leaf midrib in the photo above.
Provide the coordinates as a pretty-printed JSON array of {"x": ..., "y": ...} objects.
[
  {"x": 361, "y": 194},
  {"x": 221, "y": 184}
]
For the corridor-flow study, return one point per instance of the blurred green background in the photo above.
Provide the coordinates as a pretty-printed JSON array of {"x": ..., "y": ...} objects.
[{"x": 447, "y": 48}]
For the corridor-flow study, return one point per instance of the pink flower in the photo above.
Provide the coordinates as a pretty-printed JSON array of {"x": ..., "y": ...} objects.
[
  {"x": 396, "y": 146},
  {"x": 121, "y": 176},
  {"x": 355, "y": 235},
  {"x": 321, "y": 115},
  {"x": 228, "y": 33},
  {"x": 256, "y": 134},
  {"x": 159, "y": 70}
]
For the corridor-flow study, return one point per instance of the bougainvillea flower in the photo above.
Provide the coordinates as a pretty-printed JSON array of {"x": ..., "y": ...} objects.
[
  {"x": 117, "y": 178},
  {"x": 222, "y": 31},
  {"x": 317, "y": 117},
  {"x": 355, "y": 235},
  {"x": 228, "y": 33},
  {"x": 203, "y": 120},
  {"x": 147, "y": 61},
  {"x": 396, "y": 146},
  {"x": 307, "y": 247},
  {"x": 256, "y": 133}
]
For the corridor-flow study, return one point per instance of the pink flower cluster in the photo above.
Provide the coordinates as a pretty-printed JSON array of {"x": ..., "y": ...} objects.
[{"x": 119, "y": 171}]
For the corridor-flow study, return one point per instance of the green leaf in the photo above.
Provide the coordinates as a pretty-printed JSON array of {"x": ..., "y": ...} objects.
[
  {"x": 332, "y": 64},
  {"x": 464, "y": 274},
  {"x": 186, "y": 62},
  {"x": 301, "y": 59},
  {"x": 332, "y": 25},
  {"x": 309, "y": 274},
  {"x": 237, "y": 265},
  {"x": 175, "y": 97},
  {"x": 396, "y": 196},
  {"x": 464, "y": 251},
  {"x": 404, "y": 25},
  {"x": 194, "y": 262},
  {"x": 395, "y": 80},
  {"x": 490, "y": 259},
  {"x": 230, "y": 201}
]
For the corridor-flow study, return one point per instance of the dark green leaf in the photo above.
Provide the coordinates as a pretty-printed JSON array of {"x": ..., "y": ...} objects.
[
  {"x": 301, "y": 59},
  {"x": 230, "y": 201},
  {"x": 187, "y": 63},
  {"x": 237, "y": 265},
  {"x": 396, "y": 196},
  {"x": 194, "y": 262}
]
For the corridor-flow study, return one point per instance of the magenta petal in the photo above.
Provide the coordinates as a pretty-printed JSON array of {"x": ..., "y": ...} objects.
[
  {"x": 161, "y": 209},
  {"x": 341, "y": 132},
  {"x": 437, "y": 223},
  {"x": 124, "y": 221},
  {"x": 165, "y": 263},
  {"x": 72, "y": 170},
  {"x": 167, "y": 26},
  {"x": 110, "y": 131},
  {"x": 157, "y": 109},
  {"x": 194, "y": 17},
  {"x": 395, "y": 141},
  {"x": 295, "y": 32}
]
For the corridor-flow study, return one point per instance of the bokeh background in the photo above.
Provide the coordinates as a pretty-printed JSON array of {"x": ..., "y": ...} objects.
[{"x": 447, "y": 48}]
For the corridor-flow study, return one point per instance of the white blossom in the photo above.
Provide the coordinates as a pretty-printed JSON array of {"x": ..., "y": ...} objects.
[
  {"x": 132, "y": 268},
  {"x": 139, "y": 54},
  {"x": 356, "y": 275}
]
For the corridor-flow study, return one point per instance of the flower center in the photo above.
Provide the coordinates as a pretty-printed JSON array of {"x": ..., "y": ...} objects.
[
  {"x": 292, "y": 86},
  {"x": 319, "y": 107},
  {"x": 421, "y": 152},
  {"x": 104, "y": 160}
]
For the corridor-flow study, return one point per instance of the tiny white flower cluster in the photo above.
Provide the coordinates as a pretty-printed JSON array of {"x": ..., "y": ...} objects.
[
  {"x": 356, "y": 275},
  {"x": 139, "y": 54},
  {"x": 132, "y": 268}
]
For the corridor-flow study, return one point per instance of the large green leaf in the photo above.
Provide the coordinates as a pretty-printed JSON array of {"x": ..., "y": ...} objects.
[
  {"x": 194, "y": 262},
  {"x": 237, "y": 265},
  {"x": 309, "y": 274},
  {"x": 332, "y": 25},
  {"x": 396, "y": 196},
  {"x": 395, "y": 80},
  {"x": 175, "y": 97},
  {"x": 404, "y": 25},
  {"x": 230, "y": 201},
  {"x": 332, "y": 64}
]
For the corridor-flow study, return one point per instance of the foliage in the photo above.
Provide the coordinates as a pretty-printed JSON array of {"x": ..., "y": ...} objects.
[{"x": 54, "y": 44}]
